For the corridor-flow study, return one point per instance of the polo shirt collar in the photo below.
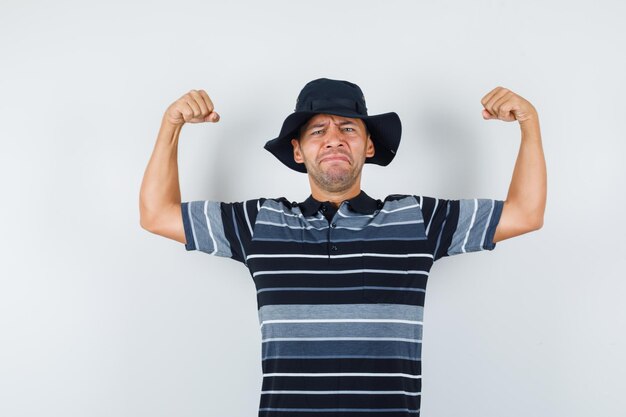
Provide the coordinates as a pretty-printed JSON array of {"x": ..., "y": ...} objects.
[{"x": 361, "y": 203}]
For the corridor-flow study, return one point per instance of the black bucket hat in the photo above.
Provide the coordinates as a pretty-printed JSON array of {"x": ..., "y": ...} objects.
[{"x": 341, "y": 98}]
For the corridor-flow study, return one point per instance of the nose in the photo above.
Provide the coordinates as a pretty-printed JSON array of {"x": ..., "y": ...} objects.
[{"x": 333, "y": 138}]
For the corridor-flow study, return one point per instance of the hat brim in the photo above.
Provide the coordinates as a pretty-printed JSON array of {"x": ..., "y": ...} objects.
[{"x": 385, "y": 130}]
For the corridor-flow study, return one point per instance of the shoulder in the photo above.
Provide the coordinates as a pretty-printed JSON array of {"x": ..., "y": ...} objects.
[
  {"x": 420, "y": 199},
  {"x": 260, "y": 202},
  {"x": 395, "y": 197},
  {"x": 277, "y": 202},
  {"x": 403, "y": 199},
  {"x": 406, "y": 203},
  {"x": 272, "y": 206}
]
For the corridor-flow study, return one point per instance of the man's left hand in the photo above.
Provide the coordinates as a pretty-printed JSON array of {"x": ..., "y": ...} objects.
[{"x": 503, "y": 104}]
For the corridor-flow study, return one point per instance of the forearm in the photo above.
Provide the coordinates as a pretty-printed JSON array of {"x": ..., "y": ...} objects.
[
  {"x": 160, "y": 188},
  {"x": 528, "y": 188}
]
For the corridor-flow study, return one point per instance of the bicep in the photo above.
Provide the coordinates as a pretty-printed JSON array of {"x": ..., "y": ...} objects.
[
  {"x": 169, "y": 223},
  {"x": 460, "y": 226},
  {"x": 513, "y": 222},
  {"x": 219, "y": 228}
]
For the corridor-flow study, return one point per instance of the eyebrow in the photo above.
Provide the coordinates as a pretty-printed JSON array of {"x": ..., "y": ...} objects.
[{"x": 345, "y": 122}]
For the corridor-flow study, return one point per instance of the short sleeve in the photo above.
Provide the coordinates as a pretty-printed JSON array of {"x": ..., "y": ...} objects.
[
  {"x": 460, "y": 226},
  {"x": 219, "y": 228}
]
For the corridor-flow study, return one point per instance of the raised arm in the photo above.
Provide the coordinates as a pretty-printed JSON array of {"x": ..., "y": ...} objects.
[
  {"x": 159, "y": 197},
  {"x": 526, "y": 199}
]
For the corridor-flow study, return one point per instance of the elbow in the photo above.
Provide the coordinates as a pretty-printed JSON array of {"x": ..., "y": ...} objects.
[
  {"x": 146, "y": 220},
  {"x": 536, "y": 223},
  {"x": 144, "y": 224},
  {"x": 147, "y": 216}
]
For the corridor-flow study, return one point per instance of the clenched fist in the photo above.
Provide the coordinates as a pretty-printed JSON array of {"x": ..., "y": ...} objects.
[
  {"x": 503, "y": 104},
  {"x": 193, "y": 107}
]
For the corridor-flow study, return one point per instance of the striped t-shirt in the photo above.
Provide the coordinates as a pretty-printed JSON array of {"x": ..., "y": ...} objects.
[{"x": 340, "y": 291}]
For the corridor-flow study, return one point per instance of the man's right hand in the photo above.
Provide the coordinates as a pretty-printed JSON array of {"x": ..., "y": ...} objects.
[
  {"x": 159, "y": 197},
  {"x": 193, "y": 107}
]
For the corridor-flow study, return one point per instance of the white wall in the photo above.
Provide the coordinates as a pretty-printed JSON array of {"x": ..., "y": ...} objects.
[{"x": 99, "y": 317}]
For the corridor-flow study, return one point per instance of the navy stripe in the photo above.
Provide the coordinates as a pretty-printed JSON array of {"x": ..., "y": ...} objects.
[
  {"x": 189, "y": 244},
  {"x": 493, "y": 223},
  {"x": 363, "y": 363},
  {"x": 346, "y": 382},
  {"x": 243, "y": 251}
]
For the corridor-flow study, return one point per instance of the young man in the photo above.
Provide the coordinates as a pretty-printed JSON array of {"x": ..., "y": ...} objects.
[{"x": 341, "y": 277}]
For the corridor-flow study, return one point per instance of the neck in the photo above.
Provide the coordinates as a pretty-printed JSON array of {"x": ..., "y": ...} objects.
[{"x": 335, "y": 197}]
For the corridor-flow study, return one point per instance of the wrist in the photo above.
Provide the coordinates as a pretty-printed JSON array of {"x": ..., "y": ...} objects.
[
  {"x": 166, "y": 122},
  {"x": 530, "y": 121},
  {"x": 169, "y": 131},
  {"x": 530, "y": 130}
]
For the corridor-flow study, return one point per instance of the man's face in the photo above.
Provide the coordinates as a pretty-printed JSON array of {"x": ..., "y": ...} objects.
[{"x": 333, "y": 150}]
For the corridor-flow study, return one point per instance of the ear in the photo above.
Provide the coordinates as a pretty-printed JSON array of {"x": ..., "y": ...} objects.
[
  {"x": 370, "y": 150},
  {"x": 297, "y": 153}
]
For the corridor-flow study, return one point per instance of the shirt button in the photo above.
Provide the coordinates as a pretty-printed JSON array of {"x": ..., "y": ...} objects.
[
  {"x": 294, "y": 204},
  {"x": 333, "y": 225},
  {"x": 333, "y": 247},
  {"x": 324, "y": 209}
]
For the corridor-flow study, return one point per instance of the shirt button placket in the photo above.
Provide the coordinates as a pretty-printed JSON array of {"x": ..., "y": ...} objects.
[{"x": 333, "y": 247}]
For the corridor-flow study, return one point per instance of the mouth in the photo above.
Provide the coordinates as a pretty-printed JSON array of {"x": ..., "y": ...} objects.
[{"x": 332, "y": 158}]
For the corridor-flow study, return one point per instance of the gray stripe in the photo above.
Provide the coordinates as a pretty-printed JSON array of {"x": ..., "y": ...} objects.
[
  {"x": 401, "y": 203},
  {"x": 481, "y": 222},
  {"x": 289, "y": 225},
  {"x": 399, "y": 211},
  {"x": 278, "y": 223},
  {"x": 340, "y": 311},
  {"x": 345, "y": 329},
  {"x": 466, "y": 215},
  {"x": 280, "y": 213},
  {"x": 472, "y": 222},
  {"x": 341, "y": 212},
  {"x": 394, "y": 211},
  {"x": 217, "y": 228},
  {"x": 201, "y": 227},
  {"x": 474, "y": 216},
  {"x": 487, "y": 222},
  {"x": 393, "y": 232}
]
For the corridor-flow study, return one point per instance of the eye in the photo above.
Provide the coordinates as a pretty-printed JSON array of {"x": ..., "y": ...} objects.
[
  {"x": 350, "y": 128},
  {"x": 315, "y": 131}
]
